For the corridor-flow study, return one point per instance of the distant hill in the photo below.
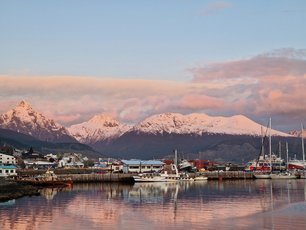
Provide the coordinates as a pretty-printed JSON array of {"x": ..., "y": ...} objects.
[
  {"x": 23, "y": 141},
  {"x": 219, "y": 147}
]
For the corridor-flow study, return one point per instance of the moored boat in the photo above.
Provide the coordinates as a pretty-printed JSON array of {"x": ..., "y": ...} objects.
[
  {"x": 296, "y": 164},
  {"x": 162, "y": 177},
  {"x": 262, "y": 175},
  {"x": 201, "y": 178},
  {"x": 283, "y": 175}
]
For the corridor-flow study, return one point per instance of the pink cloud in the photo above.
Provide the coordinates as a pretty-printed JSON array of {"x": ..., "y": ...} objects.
[
  {"x": 198, "y": 102},
  {"x": 270, "y": 84}
]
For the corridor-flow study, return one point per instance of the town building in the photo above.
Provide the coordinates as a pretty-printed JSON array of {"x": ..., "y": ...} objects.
[
  {"x": 7, "y": 170},
  {"x": 139, "y": 166},
  {"x": 71, "y": 160},
  {"x": 7, "y": 159}
]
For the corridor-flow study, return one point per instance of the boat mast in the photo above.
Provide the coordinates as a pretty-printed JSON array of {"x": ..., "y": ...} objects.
[
  {"x": 270, "y": 147},
  {"x": 303, "y": 150},
  {"x": 280, "y": 155},
  {"x": 262, "y": 143},
  {"x": 287, "y": 154}
]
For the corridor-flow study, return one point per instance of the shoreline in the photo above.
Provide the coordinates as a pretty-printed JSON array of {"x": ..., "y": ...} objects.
[{"x": 10, "y": 190}]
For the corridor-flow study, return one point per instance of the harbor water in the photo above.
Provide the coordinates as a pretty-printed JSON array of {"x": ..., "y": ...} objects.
[{"x": 226, "y": 204}]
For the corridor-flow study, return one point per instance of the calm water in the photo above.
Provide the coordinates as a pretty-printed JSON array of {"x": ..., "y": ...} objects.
[{"x": 245, "y": 204}]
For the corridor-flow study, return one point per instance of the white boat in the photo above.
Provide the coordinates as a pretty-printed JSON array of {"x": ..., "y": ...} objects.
[
  {"x": 283, "y": 175},
  {"x": 264, "y": 173},
  {"x": 162, "y": 177},
  {"x": 261, "y": 175},
  {"x": 201, "y": 178}
]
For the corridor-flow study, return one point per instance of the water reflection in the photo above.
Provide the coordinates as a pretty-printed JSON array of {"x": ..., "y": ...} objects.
[{"x": 196, "y": 205}]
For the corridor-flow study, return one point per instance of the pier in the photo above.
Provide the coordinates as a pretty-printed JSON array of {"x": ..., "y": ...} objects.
[
  {"x": 107, "y": 177},
  {"x": 89, "y": 176},
  {"x": 128, "y": 178},
  {"x": 228, "y": 175}
]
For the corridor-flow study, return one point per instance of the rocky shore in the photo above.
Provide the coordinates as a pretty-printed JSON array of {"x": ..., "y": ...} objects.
[{"x": 11, "y": 190}]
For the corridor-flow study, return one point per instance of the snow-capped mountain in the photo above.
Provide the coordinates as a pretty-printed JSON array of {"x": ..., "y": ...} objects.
[
  {"x": 298, "y": 133},
  {"x": 99, "y": 128},
  {"x": 24, "y": 119},
  {"x": 198, "y": 124}
]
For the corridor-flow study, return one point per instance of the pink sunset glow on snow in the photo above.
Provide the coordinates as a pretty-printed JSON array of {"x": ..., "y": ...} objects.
[{"x": 262, "y": 86}]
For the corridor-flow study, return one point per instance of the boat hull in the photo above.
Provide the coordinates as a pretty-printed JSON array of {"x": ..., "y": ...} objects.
[
  {"x": 261, "y": 176},
  {"x": 161, "y": 178},
  {"x": 283, "y": 176}
]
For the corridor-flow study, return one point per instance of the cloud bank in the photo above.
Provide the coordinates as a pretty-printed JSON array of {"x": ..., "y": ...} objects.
[{"x": 270, "y": 84}]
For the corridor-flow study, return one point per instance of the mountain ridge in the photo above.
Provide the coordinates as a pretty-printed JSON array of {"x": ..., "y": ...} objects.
[{"x": 24, "y": 119}]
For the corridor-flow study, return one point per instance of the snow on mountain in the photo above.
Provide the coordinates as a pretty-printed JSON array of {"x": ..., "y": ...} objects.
[
  {"x": 298, "y": 133},
  {"x": 201, "y": 123},
  {"x": 99, "y": 128},
  {"x": 24, "y": 119}
]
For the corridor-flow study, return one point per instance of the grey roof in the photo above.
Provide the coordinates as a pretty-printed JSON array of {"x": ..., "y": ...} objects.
[{"x": 138, "y": 162}]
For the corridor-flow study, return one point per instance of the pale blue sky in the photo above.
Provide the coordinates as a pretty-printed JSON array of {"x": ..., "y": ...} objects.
[
  {"x": 142, "y": 39},
  {"x": 218, "y": 57}
]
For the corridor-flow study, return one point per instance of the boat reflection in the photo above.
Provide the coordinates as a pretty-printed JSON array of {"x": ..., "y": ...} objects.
[{"x": 157, "y": 192}]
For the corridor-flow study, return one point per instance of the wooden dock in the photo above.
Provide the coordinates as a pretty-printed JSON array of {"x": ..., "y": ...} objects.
[
  {"x": 128, "y": 178},
  {"x": 228, "y": 175},
  {"x": 94, "y": 177},
  {"x": 86, "y": 175}
]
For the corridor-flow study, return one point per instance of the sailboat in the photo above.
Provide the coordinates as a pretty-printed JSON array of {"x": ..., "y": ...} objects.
[
  {"x": 266, "y": 174},
  {"x": 285, "y": 174}
]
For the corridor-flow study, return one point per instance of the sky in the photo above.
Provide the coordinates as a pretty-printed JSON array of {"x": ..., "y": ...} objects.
[{"x": 132, "y": 59}]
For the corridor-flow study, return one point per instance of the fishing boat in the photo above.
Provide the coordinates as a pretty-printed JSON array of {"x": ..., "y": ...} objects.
[
  {"x": 264, "y": 170},
  {"x": 295, "y": 163},
  {"x": 48, "y": 179},
  {"x": 263, "y": 163},
  {"x": 163, "y": 176}
]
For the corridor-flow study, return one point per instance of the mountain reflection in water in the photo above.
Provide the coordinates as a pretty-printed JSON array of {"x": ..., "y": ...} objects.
[{"x": 244, "y": 204}]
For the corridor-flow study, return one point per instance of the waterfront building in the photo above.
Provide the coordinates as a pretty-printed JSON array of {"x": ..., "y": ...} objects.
[
  {"x": 7, "y": 159},
  {"x": 7, "y": 170},
  {"x": 139, "y": 166},
  {"x": 39, "y": 164},
  {"x": 71, "y": 160}
]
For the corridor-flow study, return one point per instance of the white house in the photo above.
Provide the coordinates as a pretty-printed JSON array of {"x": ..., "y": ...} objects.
[
  {"x": 7, "y": 170},
  {"x": 138, "y": 166},
  {"x": 7, "y": 159},
  {"x": 70, "y": 162}
]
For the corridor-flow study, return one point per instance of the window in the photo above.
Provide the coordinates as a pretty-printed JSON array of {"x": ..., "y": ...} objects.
[
  {"x": 134, "y": 167},
  {"x": 156, "y": 167},
  {"x": 6, "y": 171},
  {"x": 0, "y": 170},
  {"x": 12, "y": 171}
]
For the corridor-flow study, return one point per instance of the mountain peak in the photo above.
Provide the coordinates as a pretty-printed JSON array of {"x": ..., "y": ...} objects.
[
  {"x": 104, "y": 120},
  {"x": 199, "y": 124},
  {"x": 24, "y": 119},
  {"x": 99, "y": 127},
  {"x": 24, "y": 104}
]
